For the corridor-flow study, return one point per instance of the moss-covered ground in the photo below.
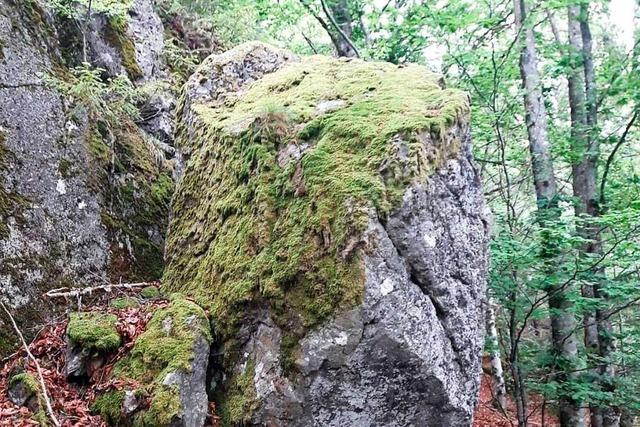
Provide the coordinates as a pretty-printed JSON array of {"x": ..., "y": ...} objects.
[{"x": 247, "y": 229}]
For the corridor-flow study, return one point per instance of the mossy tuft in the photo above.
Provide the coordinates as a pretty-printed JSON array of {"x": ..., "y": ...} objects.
[
  {"x": 150, "y": 292},
  {"x": 166, "y": 346},
  {"x": 239, "y": 400},
  {"x": 124, "y": 303},
  {"x": 29, "y": 382},
  {"x": 96, "y": 331},
  {"x": 250, "y": 229},
  {"x": 116, "y": 35},
  {"x": 109, "y": 406}
]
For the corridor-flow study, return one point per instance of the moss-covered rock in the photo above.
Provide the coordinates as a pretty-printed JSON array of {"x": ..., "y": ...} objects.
[
  {"x": 169, "y": 362},
  {"x": 284, "y": 178},
  {"x": 124, "y": 303},
  {"x": 95, "y": 331},
  {"x": 150, "y": 292}
]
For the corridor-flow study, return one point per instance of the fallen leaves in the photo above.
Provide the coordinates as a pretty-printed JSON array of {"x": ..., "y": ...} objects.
[{"x": 71, "y": 402}]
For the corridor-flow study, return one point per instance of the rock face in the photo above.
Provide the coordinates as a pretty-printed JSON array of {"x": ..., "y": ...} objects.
[
  {"x": 332, "y": 219},
  {"x": 83, "y": 195}
]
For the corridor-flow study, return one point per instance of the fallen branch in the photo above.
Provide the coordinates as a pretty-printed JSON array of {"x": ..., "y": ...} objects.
[
  {"x": 76, "y": 292},
  {"x": 45, "y": 394}
]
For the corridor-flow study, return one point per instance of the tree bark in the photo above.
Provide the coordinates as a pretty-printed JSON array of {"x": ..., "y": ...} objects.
[
  {"x": 339, "y": 31},
  {"x": 584, "y": 120},
  {"x": 562, "y": 321},
  {"x": 339, "y": 12}
]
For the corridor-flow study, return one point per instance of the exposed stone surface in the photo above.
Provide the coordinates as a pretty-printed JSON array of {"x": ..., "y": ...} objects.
[
  {"x": 60, "y": 215},
  {"x": 129, "y": 44},
  {"x": 407, "y": 351},
  {"x": 68, "y": 216}
]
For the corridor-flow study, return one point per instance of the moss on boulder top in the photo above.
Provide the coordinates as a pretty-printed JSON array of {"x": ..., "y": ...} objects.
[
  {"x": 284, "y": 177},
  {"x": 95, "y": 331}
]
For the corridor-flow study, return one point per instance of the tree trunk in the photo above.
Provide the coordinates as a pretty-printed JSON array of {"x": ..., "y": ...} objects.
[
  {"x": 340, "y": 11},
  {"x": 497, "y": 374},
  {"x": 562, "y": 320},
  {"x": 583, "y": 104},
  {"x": 519, "y": 390}
]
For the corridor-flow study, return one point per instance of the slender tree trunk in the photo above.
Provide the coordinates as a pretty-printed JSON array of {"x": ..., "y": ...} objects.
[
  {"x": 497, "y": 374},
  {"x": 340, "y": 11},
  {"x": 562, "y": 320},
  {"x": 584, "y": 121},
  {"x": 519, "y": 390}
]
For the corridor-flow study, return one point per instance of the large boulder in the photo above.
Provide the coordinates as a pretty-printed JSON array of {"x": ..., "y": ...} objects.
[
  {"x": 332, "y": 220},
  {"x": 84, "y": 196}
]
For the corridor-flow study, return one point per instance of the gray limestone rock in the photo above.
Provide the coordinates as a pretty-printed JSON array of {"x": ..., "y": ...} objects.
[{"x": 410, "y": 353}]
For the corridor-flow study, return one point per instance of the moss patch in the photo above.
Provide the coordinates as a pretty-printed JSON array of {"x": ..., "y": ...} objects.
[
  {"x": 124, "y": 302},
  {"x": 116, "y": 36},
  {"x": 150, "y": 292},
  {"x": 247, "y": 230},
  {"x": 29, "y": 381},
  {"x": 96, "y": 331},
  {"x": 109, "y": 406},
  {"x": 166, "y": 346},
  {"x": 239, "y": 399},
  {"x": 134, "y": 204}
]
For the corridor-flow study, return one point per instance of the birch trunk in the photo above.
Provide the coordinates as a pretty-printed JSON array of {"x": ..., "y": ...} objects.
[{"x": 497, "y": 374}]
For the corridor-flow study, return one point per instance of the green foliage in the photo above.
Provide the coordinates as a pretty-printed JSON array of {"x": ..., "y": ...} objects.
[
  {"x": 76, "y": 8},
  {"x": 94, "y": 331},
  {"x": 110, "y": 100}
]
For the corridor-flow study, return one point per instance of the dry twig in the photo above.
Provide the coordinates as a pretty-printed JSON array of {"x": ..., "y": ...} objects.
[{"x": 45, "y": 394}]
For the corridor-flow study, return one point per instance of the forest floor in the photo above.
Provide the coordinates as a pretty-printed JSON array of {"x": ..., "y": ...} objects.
[
  {"x": 487, "y": 415},
  {"x": 71, "y": 402}
]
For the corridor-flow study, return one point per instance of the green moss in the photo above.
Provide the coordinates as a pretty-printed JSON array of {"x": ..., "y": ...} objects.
[
  {"x": 116, "y": 36},
  {"x": 109, "y": 406},
  {"x": 239, "y": 400},
  {"x": 135, "y": 204},
  {"x": 150, "y": 292},
  {"x": 247, "y": 230},
  {"x": 32, "y": 387},
  {"x": 29, "y": 381},
  {"x": 65, "y": 168},
  {"x": 94, "y": 330},
  {"x": 165, "y": 406},
  {"x": 124, "y": 302},
  {"x": 166, "y": 346}
]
